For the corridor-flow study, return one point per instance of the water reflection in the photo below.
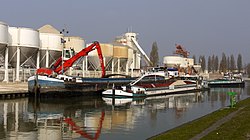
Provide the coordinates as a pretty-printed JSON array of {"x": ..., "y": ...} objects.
[{"x": 105, "y": 118}]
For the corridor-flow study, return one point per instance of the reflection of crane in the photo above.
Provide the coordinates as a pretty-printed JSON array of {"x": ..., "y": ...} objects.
[
  {"x": 83, "y": 133},
  {"x": 181, "y": 51},
  {"x": 58, "y": 67}
]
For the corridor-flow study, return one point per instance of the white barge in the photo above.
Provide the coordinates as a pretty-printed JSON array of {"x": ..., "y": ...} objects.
[{"x": 160, "y": 86}]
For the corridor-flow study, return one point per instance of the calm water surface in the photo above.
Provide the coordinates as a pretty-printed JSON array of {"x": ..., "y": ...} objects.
[{"x": 104, "y": 119}]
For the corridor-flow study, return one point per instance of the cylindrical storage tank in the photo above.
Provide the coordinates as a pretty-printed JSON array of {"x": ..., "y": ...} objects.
[
  {"x": 121, "y": 57},
  {"x": 3, "y": 33},
  {"x": 190, "y": 61},
  {"x": 28, "y": 41},
  {"x": 107, "y": 53},
  {"x": 172, "y": 61},
  {"x": 184, "y": 63},
  {"x": 3, "y": 40},
  {"x": 74, "y": 42},
  {"x": 52, "y": 43},
  {"x": 120, "y": 51},
  {"x": 130, "y": 53}
]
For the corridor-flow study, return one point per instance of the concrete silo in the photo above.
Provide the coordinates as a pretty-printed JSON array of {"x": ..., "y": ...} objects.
[
  {"x": 76, "y": 44},
  {"x": 107, "y": 52},
  {"x": 3, "y": 50},
  {"x": 130, "y": 39},
  {"x": 3, "y": 40},
  {"x": 93, "y": 62},
  {"x": 51, "y": 46},
  {"x": 130, "y": 60},
  {"x": 173, "y": 61},
  {"x": 23, "y": 48},
  {"x": 120, "y": 58},
  {"x": 130, "y": 36}
]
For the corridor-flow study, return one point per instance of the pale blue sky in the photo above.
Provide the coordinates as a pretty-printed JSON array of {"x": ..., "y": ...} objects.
[{"x": 202, "y": 27}]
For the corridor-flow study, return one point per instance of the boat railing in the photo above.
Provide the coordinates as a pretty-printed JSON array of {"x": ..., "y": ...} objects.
[
  {"x": 136, "y": 80},
  {"x": 144, "y": 75}
]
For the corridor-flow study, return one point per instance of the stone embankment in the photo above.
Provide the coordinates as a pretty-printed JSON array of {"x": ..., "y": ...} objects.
[{"x": 13, "y": 90}]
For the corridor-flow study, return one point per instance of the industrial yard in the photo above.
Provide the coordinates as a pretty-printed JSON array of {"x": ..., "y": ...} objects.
[{"x": 23, "y": 50}]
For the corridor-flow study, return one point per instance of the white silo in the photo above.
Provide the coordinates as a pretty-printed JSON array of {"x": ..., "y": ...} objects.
[
  {"x": 51, "y": 46},
  {"x": 93, "y": 59},
  {"x": 130, "y": 60},
  {"x": 172, "y": 61},
  {"x": 3, "y": 40},
  {"x": 136, "y": 64},
  {"x": 23, "y": 47},
  {"x": 190, "y": 61},
  {"x": 74, "y": 42},
  {"x": 3, "y": 50},
  {"x": 77, "y": 44}
]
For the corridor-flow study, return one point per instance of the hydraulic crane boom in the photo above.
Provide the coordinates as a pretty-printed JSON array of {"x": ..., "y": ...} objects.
[{"x": 68, "y": 63}]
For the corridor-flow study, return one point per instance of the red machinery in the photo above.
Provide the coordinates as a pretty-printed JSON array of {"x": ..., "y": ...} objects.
[
  {"x": 181, "y": 51},
  {"x": 58, "y": 68}
]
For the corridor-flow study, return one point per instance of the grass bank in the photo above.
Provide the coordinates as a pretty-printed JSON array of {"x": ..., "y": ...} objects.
[{"x": 236, "y": 128}]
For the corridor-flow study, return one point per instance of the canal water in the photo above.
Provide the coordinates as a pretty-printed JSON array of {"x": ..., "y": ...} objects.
[{"x": 107, "y": 119}]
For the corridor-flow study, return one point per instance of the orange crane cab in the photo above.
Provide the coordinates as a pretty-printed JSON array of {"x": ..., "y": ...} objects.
[{"x": 58, "y": 67}]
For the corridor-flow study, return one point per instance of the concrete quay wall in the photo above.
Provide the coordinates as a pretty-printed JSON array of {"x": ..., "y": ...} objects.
[{"x": 13, "y": 90}]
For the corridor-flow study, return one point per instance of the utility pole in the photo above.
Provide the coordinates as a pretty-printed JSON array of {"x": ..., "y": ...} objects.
[{"x": 63, "y": 41}]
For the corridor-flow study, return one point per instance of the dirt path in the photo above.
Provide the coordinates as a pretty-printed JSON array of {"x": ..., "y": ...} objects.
[{"x": 215, "y": 125}]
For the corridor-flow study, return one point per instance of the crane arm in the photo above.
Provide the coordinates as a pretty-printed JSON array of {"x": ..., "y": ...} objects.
[
  {"x": 57, "y": 63},
  {"x": 68, "y": 63}
]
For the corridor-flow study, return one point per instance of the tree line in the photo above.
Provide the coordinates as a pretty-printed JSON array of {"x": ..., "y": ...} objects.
[{"x": 225, "y": 64}]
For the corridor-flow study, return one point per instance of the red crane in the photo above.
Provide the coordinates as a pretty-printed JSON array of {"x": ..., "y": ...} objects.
[
  {"x": 58, "y": 67},
  {"x": 181, "y": 51}
]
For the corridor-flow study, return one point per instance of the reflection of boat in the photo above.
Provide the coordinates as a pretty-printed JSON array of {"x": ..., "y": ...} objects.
[
  {"x": 157, "y": 87},
  {"x": 117, "y": 101},
  {"x": 229, "y": 80}
]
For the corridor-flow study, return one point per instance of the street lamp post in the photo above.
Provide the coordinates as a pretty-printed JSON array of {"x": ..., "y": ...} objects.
[{"x": 63, "y": 41}]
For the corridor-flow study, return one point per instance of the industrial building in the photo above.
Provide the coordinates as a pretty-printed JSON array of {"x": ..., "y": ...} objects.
[{"x": 23, "y": 50}]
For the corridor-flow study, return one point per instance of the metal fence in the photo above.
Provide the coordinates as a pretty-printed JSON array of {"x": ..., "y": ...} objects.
[{"x": 25, "y": 73}]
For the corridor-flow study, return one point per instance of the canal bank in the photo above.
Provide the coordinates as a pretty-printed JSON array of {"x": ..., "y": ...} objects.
[
  {"x": 13, "y": 90},
  {"x": 226, "y": 123}
]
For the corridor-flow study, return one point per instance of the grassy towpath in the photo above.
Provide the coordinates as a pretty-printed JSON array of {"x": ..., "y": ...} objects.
[{"x": 226, "y": 123}]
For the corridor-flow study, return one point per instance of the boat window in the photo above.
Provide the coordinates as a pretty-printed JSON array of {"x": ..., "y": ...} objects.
[{"x": 154, "y": 77}]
